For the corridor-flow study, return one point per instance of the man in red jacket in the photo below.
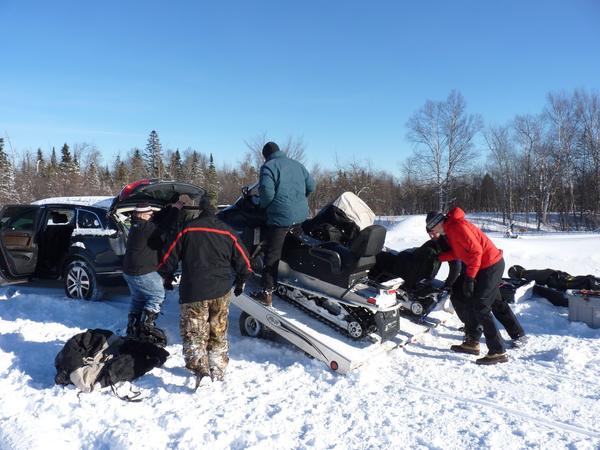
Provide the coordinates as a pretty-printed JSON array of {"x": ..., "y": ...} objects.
[{"x": 483, "y": 274}]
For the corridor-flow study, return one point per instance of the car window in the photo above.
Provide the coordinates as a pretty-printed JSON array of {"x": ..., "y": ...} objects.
[
  {"x": 18, "y": 219},
  {"x": 61, "y": 216},
  {"x": 87, "y": 219}
]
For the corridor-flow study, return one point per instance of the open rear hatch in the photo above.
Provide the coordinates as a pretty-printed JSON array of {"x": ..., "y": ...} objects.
[{"x": 157, "y": 193}]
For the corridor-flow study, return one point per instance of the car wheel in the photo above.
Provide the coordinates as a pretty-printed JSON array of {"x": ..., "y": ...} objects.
[{"x": 80, "y": 281}]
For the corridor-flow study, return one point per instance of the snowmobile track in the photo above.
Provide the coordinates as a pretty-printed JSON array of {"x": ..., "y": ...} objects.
[
  {"x": 511, "y": 412},
  {"x": 314, "y": 315}
]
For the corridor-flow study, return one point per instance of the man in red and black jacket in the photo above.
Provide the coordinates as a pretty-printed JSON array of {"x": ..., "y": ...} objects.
[
  {"x": 212, "y": 260},
  {"x": 484, "y": 266}
]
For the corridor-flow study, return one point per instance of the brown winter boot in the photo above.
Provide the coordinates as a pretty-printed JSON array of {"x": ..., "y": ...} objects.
[
  {"x": 264, "y": 296},
  {"x": 493, "y": 358},
  {"x": 470, "y": 346}
]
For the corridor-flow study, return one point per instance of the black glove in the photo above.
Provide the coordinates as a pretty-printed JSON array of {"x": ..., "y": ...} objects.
[
  {"x": 239, "y": 289},
  {"x": 468, "y": 287}
]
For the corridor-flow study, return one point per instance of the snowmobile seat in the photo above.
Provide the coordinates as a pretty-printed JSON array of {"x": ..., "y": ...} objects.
[{"x": 332, "y": 262}]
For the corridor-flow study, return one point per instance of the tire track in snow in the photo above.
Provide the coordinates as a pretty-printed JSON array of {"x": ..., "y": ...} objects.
[{"x": 511, "y": 412}]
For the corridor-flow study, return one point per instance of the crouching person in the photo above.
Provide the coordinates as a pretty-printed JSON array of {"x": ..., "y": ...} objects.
[
  {"x": 210, "y": 254},
  {"x": 484, "y": 266}
]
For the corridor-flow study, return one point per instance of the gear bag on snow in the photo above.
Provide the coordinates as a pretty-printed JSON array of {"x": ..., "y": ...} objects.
[
  {"x": 551, "y": 284},
  {"x": 99, "y": 357}
]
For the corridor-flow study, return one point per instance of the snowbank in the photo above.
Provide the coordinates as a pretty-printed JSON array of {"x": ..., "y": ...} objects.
[
  {"x": 101, "y": 201},
  {"x": 423, "y": 396}
]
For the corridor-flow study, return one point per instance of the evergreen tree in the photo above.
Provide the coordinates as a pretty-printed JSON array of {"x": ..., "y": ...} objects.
[
  {"x": 153, "y": 156},
  {"x": 68, "y": 173},
  {"x": 213, "y": 183},
  {"x": 40, "y": 163},
  {"x": 7, "y": 180},
  {"x": 136, "y": 164},
  {"x": 53, "y": 185},
  {"x": 40, "y": 177},
  {"x": 92, "y": 180},
  {"x": 106, "y": 181},
  {"x": 53, "y": 160},
  {"x": 176, "y": 167},
  {"x": 121, "y": 177},
  {"x": 194, "y": 169}
]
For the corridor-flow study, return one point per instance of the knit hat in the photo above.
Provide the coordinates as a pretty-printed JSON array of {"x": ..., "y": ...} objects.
[
  {"x": 142, "y": 208},
  {"x": 433, "y": 218},
  {"x": 269, "y": 149}
]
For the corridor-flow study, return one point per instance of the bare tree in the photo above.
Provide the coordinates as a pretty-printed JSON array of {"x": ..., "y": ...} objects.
[
  {"x": 587, "y": 109},
  {"x": 293, "y": 147},
  {"x": 528, "y": 132},
  {"x": 503, "y": 159},
  {"x": 443, "y": 134},
  {"x": 562, "y": 126}
]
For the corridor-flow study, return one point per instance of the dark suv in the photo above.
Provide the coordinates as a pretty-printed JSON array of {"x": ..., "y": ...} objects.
[{"x": 78, "y": 243}]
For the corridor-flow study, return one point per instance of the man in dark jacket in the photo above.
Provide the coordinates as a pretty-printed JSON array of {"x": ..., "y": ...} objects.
[
  {"x": 139, "y": 269},
  {"x": 284, "y": 187},
  {"x": 210, "y": 253},
  {"x": 484, "y": 266}
]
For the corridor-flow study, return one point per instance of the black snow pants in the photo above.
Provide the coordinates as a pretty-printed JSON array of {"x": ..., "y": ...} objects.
[
  {"x": 275, "y": 236},
  {"x": 476, "y": 312}
]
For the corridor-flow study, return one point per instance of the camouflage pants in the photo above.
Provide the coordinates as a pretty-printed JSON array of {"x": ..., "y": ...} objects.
[{"x": 203, "y": 328}]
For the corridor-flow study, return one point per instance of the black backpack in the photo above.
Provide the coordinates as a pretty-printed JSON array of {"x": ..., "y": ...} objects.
[{"x": 99, "y": 357}]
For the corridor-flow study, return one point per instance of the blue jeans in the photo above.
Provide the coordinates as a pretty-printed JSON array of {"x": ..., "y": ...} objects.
[{"x": 147, "y": 292}]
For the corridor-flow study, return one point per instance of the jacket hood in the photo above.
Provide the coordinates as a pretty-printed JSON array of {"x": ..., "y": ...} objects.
[{"x": 456, "y": 213}]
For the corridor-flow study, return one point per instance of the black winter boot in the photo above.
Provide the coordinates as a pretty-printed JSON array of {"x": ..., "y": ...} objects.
[
  {"x": 149, "y": 318},
  {"x": 133, "y": 324}
]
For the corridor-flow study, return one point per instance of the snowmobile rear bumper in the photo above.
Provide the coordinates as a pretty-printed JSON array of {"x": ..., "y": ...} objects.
[{"x": 388, "y": 323}]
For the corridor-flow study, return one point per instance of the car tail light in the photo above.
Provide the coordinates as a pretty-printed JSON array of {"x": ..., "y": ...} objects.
[
  {"x": 127, "y": 190},
  {"x": 372, "y": 300}
]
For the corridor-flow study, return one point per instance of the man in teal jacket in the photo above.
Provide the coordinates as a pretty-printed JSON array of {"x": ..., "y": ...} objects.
[{"x": 284, "y": 186}]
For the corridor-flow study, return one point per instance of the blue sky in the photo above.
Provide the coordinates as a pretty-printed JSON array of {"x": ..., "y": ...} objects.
[{"x": 343, "y": 75}]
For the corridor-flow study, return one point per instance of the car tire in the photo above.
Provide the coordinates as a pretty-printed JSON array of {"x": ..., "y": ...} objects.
[{"x": 80, "y": 281}]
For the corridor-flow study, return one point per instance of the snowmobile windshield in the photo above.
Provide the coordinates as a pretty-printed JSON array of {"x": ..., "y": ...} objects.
[{"x": 355, "y": 209}]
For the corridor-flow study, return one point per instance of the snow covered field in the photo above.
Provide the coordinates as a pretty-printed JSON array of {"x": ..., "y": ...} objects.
[{"x": 422, "y": 396}]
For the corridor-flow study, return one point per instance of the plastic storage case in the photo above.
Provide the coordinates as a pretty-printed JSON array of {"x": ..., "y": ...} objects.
[{"x": 584, "y": 306}]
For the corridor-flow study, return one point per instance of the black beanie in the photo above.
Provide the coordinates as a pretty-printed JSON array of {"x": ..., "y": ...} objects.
[
  {"x": 269, "y": 149},
  {"x": 433, "y": 218}
]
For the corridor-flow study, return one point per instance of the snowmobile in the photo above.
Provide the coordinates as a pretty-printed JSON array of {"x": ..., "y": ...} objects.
[
  {"x": 420, "y": 292},
  {"x": 325, "y": 264}
]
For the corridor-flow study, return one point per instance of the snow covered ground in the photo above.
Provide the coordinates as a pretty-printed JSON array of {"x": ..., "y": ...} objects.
[{"x": 422, "y": 396}]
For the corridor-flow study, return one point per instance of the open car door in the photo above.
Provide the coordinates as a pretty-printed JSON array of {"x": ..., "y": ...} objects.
[{"x": 18, "y": 249}]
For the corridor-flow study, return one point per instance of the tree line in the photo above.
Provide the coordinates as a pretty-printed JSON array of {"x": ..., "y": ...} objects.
[{"x": 533, "y": 164}]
